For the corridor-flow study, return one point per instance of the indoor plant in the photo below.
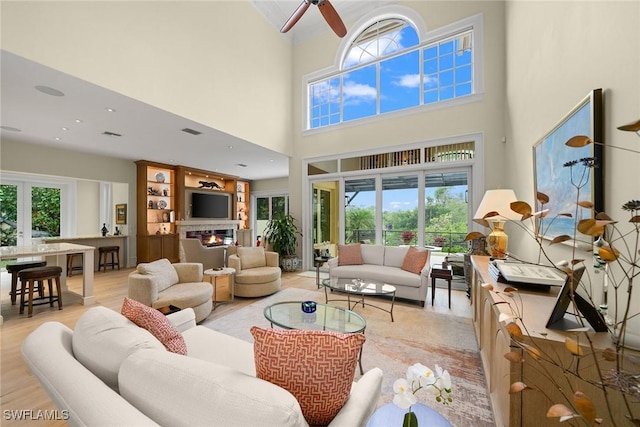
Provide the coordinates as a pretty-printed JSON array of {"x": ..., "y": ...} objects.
[{"x": 282, "y": 234}]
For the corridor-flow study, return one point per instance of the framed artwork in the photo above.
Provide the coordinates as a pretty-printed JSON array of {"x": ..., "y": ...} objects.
[
  {"x": 121, "y": 214},
  {"x": 552, "y": 178}
]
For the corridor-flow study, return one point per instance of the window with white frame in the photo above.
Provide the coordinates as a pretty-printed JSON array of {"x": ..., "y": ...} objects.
[{"x": 388, "y": 68}]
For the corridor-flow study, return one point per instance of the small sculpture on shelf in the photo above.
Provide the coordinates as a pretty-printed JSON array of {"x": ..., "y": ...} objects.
[
  {"x": 104, "y": 230},
  {"x": 153, "y": 192},
  {"x": 212, "y": 185}
]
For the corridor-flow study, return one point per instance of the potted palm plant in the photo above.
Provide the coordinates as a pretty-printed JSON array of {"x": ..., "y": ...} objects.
[{"x": 282, "y": 234}]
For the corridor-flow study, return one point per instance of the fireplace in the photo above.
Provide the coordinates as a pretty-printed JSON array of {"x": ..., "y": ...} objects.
[
  {"x": 212, "y": 237},
  {"x": 209, "y": 232}
]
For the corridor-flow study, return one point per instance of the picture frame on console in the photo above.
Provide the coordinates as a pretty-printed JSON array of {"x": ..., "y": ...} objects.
[{"x": 552, "y": 178}]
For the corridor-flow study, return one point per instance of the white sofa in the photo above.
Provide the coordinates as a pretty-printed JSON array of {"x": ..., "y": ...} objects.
[
  {"x": 110, "y": 372},
  {"x": 384, "y": 264}
]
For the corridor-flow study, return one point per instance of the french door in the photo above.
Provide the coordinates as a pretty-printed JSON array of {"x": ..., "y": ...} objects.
[{"x": 30, "y": 210}]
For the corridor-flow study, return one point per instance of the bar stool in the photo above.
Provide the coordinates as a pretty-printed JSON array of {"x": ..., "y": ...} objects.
[
  {"x": 70, "y": 266},
  {"x": 14, "y": 269},
  {"x": 103, "y": 253},
  {"x": 32, "y": 277}
]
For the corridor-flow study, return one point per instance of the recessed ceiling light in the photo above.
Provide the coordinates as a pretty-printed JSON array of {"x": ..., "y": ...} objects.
[
  {"x": 230, "y": 147},
  {"x": 57, "y": 138},
  {"x": 111, "y": 110},
  {"x": 78, "y": 121},
  {"x": 49, "y": 90},
  {"x": 271, "y": 160},
  {"x": 65, "y": 128},
  {"x": 9, "y": 128}
]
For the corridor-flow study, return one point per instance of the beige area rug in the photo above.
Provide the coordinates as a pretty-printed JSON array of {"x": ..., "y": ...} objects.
[{"x": 415, "y": 336}]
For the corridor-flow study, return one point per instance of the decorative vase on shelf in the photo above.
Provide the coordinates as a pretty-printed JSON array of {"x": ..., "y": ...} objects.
[{"x": 104, "y": 230}]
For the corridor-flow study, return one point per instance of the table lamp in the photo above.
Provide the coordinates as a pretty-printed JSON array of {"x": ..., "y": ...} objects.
[{"x": 494, "y": 211}]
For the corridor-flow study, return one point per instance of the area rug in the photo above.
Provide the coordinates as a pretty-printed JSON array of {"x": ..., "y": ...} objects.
[{"x": 415, "y": 336}]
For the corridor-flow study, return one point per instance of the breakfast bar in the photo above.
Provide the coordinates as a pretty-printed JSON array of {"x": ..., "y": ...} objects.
[{"x": 56, "y": 254}]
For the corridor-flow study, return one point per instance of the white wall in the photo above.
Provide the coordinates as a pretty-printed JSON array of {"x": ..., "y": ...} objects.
[
  {"x": 219, "y": 63},
  {"x": 556, "y": 53},
  {"x": 88, "y": 208}
]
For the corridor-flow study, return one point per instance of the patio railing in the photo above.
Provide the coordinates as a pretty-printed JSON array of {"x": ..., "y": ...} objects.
[{"x": 449, "y": 241}]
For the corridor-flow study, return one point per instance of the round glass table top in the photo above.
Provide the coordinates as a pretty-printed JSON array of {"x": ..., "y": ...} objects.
[
  {"x": 289, "y": 315},
  {"x": 359, "y": 286}
]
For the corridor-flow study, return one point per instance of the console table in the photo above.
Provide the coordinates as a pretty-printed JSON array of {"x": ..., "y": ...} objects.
[{"x": 527, "y": 408}]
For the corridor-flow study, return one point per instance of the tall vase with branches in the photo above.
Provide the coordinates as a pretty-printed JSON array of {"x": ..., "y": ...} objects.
[{"x": 617, "y": 254}]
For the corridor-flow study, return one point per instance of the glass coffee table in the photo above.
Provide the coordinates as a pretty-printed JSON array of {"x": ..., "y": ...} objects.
[
  {"x": 361, "y": 288},
  {"x": 289, "y": 315}
]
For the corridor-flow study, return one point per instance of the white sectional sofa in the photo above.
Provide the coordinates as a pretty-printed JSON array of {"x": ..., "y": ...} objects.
[
  {"x": 384, "y": 264},
  {"x": 110, "y": 372}
]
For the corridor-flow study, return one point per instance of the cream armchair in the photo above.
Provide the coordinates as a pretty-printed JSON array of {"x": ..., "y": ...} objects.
[
  {"x": 160, "y": 283},
  {"x": 193, "y": 251},
  {"x": 257, "y": 272}
]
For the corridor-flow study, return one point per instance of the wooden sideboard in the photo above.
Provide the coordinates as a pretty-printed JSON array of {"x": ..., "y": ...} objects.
[{"x": 529, "y": 408}]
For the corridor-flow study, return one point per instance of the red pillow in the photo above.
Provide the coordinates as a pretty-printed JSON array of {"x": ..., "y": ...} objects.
[
  {"x": 415, "y": 259},
  {"x": 349, "y": 254},
  {"x": 317, "y": 367},
  {"x": 155, "y": 322}
]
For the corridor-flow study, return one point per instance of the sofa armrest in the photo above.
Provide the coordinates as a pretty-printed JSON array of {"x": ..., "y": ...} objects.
[
  {"x": 234, "y": 262},
  {"x": 183, "y": 319},
  {"x": 189, "y": 272},
  {"x": 362, "y": 401},
  {"x": 142, "y": 288},
  {"x": 332, "y": 262},
  {"x": 273, "y": 259}
]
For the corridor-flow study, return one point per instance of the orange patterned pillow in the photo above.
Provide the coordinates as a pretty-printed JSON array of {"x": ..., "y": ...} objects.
[
  {"x": 349, "y": 254},
  {"x": 415, "y": 259},
  {"x": 317, "y": 367},
  {"x": 155, "y": 322}
]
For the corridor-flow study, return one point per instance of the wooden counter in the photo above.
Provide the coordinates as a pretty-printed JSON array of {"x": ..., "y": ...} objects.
[
  {"x": 529, "y": 408},
  {"x": 96, "y": 242}
]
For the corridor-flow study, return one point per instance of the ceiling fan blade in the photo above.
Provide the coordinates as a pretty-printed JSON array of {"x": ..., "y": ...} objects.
[
  {"x": 296, "y": 16},
  {"x": 332, "y": 18}
]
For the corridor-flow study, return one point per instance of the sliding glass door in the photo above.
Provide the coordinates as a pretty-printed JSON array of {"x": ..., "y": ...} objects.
[
  {"x": 360, "y": 210},
  {"x": 446, "y": 210}
]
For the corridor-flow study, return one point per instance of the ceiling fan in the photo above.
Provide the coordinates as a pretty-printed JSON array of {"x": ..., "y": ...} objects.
[{"x": 328, "y": 12}]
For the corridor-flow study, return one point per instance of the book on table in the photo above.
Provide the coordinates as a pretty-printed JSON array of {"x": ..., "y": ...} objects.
[{"x": 516, "y": 272}]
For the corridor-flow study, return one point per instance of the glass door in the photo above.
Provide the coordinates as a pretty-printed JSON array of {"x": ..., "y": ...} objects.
[
  {"x": 268, "y": 207},
  {"x": 360, "y": 210},
  {"x": 325, "y": 217},
  {"x": 29, "y": 211}
]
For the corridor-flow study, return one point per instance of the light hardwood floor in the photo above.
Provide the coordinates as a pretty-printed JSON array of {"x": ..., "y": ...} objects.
[{"x": 20, "y": 390}]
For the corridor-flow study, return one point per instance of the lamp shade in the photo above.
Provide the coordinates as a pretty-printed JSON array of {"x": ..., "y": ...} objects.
[{"x": 497, "y": 201}]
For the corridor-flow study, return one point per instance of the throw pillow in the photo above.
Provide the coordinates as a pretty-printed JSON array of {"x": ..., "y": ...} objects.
[
  {"x": 415, "y": 259},
  {"x": 251, "y": 257},
  {"x": 155, "y": 322},
  {"x": 162, "y": 271},
  {"x": 317, "y": 367},
  {"x": 349, "y": 254}
]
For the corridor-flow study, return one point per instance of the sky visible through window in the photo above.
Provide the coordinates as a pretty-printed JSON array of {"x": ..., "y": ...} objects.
[
  {"x": 383, "y": 73},
  {"x": 402, "y": 199}
]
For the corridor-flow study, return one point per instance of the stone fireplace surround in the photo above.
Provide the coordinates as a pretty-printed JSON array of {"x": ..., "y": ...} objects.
[{"x": 204, "y": 227}]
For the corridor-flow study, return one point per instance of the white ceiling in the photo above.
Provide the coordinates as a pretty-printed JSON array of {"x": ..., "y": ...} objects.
[{"x": 147, "y": 132}]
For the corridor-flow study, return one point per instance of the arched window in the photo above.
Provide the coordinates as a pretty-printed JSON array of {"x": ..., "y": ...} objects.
[{"x": 387, "y": 67}]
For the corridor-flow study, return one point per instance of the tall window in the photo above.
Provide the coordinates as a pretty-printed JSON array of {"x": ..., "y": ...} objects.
[{"x": 386, "y": 68}]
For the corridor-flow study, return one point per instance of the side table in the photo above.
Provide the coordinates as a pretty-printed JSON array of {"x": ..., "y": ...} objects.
[
  {"x": 317, "y": 262},
  {"x": 214, "y": 274},
  {"x": 393, "y": 415},
  {"x": 440, "y": 271}
]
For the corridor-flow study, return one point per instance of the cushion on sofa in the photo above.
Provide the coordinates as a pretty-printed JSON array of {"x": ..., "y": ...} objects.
[
  {"x": 394, "y": 255},
  {"x": 156, "y": 323},
  {"x": 349, "y": 254},
  {"x": 103, "y": 338},
  {"x": 372, "y": 254},
  {"x": 415, "y": 260},
  {"x": 163, "y": 272},
  {"x": 317, "y": 367},
  {"x": 251, "y": 257},
  {"x": 208, "y": 394}
]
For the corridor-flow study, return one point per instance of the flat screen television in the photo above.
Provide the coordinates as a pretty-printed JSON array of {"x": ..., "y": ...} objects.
[
  {"x": 562, "y": 320},
  {"x": 212, "y": 206}
]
